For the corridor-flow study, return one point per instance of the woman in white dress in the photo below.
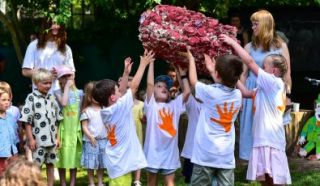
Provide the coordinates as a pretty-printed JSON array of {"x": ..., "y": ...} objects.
[{"x": 48, "y": 52}]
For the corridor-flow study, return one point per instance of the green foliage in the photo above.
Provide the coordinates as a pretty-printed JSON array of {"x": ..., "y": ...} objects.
[{"x": 220, "y": 8}]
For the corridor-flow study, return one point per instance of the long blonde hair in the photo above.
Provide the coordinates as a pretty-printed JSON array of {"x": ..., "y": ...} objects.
[
  {"x": 267, "y": 37},
  {"x": 21, "y": 172},
  {"x": 88, "y": 99}
]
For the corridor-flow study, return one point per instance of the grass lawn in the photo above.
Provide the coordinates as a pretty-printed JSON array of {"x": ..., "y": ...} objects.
[{"x": 299, "y": 178}]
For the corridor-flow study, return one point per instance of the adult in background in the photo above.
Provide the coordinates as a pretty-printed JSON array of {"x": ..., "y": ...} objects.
[
  {"x": 48, "y": 51},
  {"x": 242, "y": 34},
  {"x": 265, "y": 41}
]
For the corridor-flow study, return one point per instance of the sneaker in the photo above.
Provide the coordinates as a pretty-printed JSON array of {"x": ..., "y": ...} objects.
[{"x": 137, "y": 183}]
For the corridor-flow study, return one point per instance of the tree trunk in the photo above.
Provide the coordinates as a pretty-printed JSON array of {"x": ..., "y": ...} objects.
[
  {"x": 8, "y": 24},
  {"x": 16, "y": 23}
]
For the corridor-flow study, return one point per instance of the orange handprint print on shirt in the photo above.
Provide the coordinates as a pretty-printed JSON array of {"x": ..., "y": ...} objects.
[
  {"x": 167, "y": 122},
  {"x": 225, "y": 116},
  {"x": 111, "y": 130},
  {"x": 284, "y": 102}
]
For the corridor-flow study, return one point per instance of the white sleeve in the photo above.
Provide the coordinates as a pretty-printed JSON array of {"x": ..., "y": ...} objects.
[
  {"x": 179, "y": 106},
  {"x": 69, "y": 58},
  {"x": 29, "y": 57},
  {"x": 268, "y": 82},
  {"x": 201, "y": 92}
]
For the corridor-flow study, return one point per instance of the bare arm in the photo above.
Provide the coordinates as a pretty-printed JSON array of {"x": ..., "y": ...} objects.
[
  {"x": 124, "y": 80},
  {"x": 245, "y": 72},
  {"x": 193, "y": 77},
  {"x": 244, "y": 55},
  {"x": 86, "y": 132},
  {"x": 287, "y": 77},
  {"x": 63, "y": 100},
  {"x": 246, "y": 93},
  {"x": 31, "y": 140},
  {"x": 27, "y": 72},
  {"x": 185, "y": 83},
  {"x": 150, "y": 81},
  {"x": 145, "y": 60}
]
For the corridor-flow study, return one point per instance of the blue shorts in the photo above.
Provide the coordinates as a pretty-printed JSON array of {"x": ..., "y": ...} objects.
[{"x": 164, "y": 172}]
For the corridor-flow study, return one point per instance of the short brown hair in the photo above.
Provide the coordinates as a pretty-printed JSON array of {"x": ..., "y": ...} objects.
[
  {"x": 102, "y": 90},
  {"x": 229, "y": 68}
]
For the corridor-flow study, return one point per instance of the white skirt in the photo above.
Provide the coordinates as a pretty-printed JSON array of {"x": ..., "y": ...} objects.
[{"x": 268, "y": 160}]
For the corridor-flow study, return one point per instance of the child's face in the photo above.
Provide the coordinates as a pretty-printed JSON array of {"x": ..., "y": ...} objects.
[
  {"x": 161, "y": 92},
  {"x": 4, "y": 101},
  {"x": 44, "y": 86},
  {"x": 63, "y": 80},
  {"x": 116, "y": 95},
  {"x": 173, "y": 75},
  {"x": 268, "y": 66}
]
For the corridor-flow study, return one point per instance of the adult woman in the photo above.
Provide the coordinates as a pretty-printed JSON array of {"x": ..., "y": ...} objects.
[
  {"x": 265, "y": 41},
  {"x": 49, "y": 51}
]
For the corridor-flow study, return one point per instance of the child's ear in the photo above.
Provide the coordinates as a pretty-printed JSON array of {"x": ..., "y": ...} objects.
[{"x": 112, "y": 98}]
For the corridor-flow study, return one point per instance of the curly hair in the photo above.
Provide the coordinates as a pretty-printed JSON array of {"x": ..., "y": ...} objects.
[
  {"x": 21, "y": 172},
  {"x": 44, "y": 36}
]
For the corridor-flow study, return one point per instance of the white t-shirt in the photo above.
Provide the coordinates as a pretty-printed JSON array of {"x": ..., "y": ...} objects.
[
  {"x": 270, "y": 103},
  {"x": 214, "y": 140},
  {"x": 161, "y": 142},
  {"x": 47, "y": 58},
  {"x": 193, "y": 111},
  {"x": 95, "y": 124},
  {"x": 124, "y": 152}
]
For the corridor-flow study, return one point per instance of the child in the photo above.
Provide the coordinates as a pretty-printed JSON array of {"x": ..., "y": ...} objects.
[
  {"x": 41, "y": 115},
  {"x": 193, "y": 110},
  {"x": 123, "y": 150},
  {"x": 94, "y": 138},
  {"x": 213, "y": 148},
  {"x": 138, "y": 117},
  {"x": 69, "y": 99},
  {"x": 21, "y": 172},
  {"x": 161, "y": 143},
  {"x": 15, "y": 112},
  {"x": 268, "y": 161},
  {"x": 8, "y": 128}
]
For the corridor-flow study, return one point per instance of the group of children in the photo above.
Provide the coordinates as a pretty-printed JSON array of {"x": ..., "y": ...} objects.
[{"x": 96, "y": 129}]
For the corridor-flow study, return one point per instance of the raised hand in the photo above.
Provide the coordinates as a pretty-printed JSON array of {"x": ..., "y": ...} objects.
[
  {"x": 127, "y": 65},
  {"x": 167, "y": 122},
  {"x": 148, "y": 57},
  {"x": 209, "y": 62},
  {"x": 225, "y": 116},
  {"x": 226, "y": 39},
  {"x": 111, "y": 130}
]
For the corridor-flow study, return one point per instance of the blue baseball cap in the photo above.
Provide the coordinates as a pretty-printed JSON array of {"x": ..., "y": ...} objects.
[{"x": 166, "y": 79}]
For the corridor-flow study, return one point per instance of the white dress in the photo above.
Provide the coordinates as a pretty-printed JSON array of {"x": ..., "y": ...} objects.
[{"x": 47, "y": 58}]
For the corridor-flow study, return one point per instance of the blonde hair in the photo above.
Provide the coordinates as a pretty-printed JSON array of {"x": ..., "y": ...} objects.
[
  {"x": 88, "y": 99},
  {"x": 267, "y": 37},
  {"x": 21, "y": 172},
  {"x": 5, "y": 86},
  {"x": 279, "y": 62},
  {"x": 40, "y": 75}
]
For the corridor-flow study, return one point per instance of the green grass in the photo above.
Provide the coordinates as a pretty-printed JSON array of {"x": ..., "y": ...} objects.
[{"x": 310, "y": 178}]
